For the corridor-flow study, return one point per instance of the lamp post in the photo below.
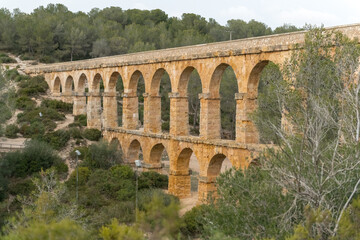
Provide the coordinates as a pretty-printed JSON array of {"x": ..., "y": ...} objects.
[
  {"x": 78, "y": 153},
  {"x": 137, "y": 165}
]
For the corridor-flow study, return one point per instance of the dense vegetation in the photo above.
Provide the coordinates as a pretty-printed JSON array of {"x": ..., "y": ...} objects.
[{"x": 54, "y": 33}]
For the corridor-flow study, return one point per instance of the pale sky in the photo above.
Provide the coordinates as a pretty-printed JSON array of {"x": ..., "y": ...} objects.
[{"x": 271, "y": 12}]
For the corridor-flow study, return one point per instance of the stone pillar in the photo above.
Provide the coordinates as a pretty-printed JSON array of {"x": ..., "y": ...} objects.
[
  {"x": 67, "y": 97},
  {"x": 179, "y": 184},
  {"x": 206, "y": 189},
  {"x": 210, "y": 118},
  {"x": 94, "y": 111},
  {"x": 179, "y": 115},
  {"x": 152, "y": 113},
  {"x": 110, "y": 113},
  {"x": 246, "y": 131},
  {"x": 79, "y": 104},
  {"x": 130, "y": 111}
]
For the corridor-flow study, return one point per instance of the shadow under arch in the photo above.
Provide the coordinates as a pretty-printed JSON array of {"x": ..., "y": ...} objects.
[
  {"x": 97, "y": 83},
  {"x": 189, "y": 87},
  {"x": 157, "y": 104},
  {"x": 57, "y": 85},
  {"x": 254, "y": 78},
  {"x": 82, "y": 85},
  {"x": 215, "y": 165},
  {"x": 134, "y": 151},
  {"x": 69, "y": 84}
]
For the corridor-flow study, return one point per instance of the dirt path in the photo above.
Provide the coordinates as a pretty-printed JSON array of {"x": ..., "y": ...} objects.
[
  {"x": 187, "y": 204},
  {"x": 69, "y": 118}
]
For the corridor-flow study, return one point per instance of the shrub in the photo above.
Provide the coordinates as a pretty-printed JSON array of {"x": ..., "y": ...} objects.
[
  {"x": 11, "y": 131},
  {"x": 61, "y": 168},
  {"x": 146, "y": 195},
  {"x": 34, "y": 115},
  {"x": 75, "y": 133},
  {"x": 102, "y": 155},
  {"x": 5, "y": 112},
  {"x": 193, "y": 221},
  {"x": 57, "y": 105},
  {"x": 57, "y": 139},
  {"x": 33, "y": 86},
  {"x": 92, "y": 134},
  {"x": 21, "y": 186},
  {"x": 11, "y": 74},
  {"x": 116, "y": 231},
  {"x": 6, "y": 59},
  {"x": 153, "y": 180},
  {"x": 1, "y": 130},
  {"x": 83, "y": 173},
  {"x": 32, "y": 130},
  {"x": 82, "y": 150},
  {"x": 81, "y": 119},
  {"x": 34, "y": 157},
  {"x": 24, "y": 103}
]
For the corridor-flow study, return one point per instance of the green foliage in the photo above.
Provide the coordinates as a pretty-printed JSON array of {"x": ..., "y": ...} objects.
[
  {"x": 21, "y": 186},
  {"x": 114, "y": 231},
  {"x": 146, "y": 195},
  {"x": 57, "y": 139},
  {"x": 241, "y": 211},
  {"x": 32, "y": 130},
  {"x": 11, "y": 131},
  {"x": 314, "y": 226},
  {"x": 193, "y": 221},
  {"x": 24, "y": 103},
  {"x": 271, "y": 83},
  {"x": 81, "y": 119},
  {"x": 4, "y": 58},
  {"x": 5, "y": 112},
  {"x": 83, "y": 173},
  {"x": 163, "y": 221},
  {"x": 350, "y": 222},
  {"x": 64, "y": 229},
  {"x": 33, "y": 86},
  {"x": 75, "y": 133},
  {"x": 153, "y": 180},
  {"x": 102, "y": 155},
  {"x": 57, "y": 105},
  {"x": 92, "y": 134},
  {"x": 33, "y": 115},
  {"x": 34, "y": 157}
]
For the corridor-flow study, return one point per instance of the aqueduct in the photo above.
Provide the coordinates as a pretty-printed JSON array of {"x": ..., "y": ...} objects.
[{"x": 247, "y": 58}]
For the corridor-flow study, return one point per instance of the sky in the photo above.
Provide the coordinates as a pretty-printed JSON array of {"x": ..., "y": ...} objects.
[{"x": 274, "y": 13}]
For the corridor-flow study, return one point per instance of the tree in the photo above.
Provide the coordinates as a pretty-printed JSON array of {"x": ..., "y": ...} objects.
[{"x": 316, "y": 160}]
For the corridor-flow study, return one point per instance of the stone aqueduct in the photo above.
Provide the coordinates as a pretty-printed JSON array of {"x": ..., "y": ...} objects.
[{"x": 247, "y": 58}]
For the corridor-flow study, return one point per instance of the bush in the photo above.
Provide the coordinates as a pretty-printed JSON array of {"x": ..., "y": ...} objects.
[
  {"x": 21, "y": 186},
  {"x": 57, "y": 105},
  {"x": 92, "y": 134},
  {"x": 75, "y": 133},
  {"x": 102, "y": 155},
  {"x": 193, "y": 221},
  {"x": 34, "y": 157},
  {"x": 82, "y": 150},
  {"x": 34, "y": 115},
  {"x": 5, "y": 112},
  {"x": 11, "y": 74},
  {"x": 153, "y": 180},
  {"x": 33, "y": 86},
  {"x": 33, "y": 130},
  {"x": 57, "y": 139},
  {"x": 146, "y": 195},
  {"x": 24, "y": 103},
  {"x": 84, "y": 174},
  {"x": 11, "y": 131},
  {"x": 4, "y": 58},
  {"x": 61, "y": 168},
  {"x": 81, "y": 119}
]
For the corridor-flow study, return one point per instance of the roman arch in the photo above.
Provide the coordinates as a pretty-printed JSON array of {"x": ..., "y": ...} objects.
[{"x": 247, "y": 58}]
